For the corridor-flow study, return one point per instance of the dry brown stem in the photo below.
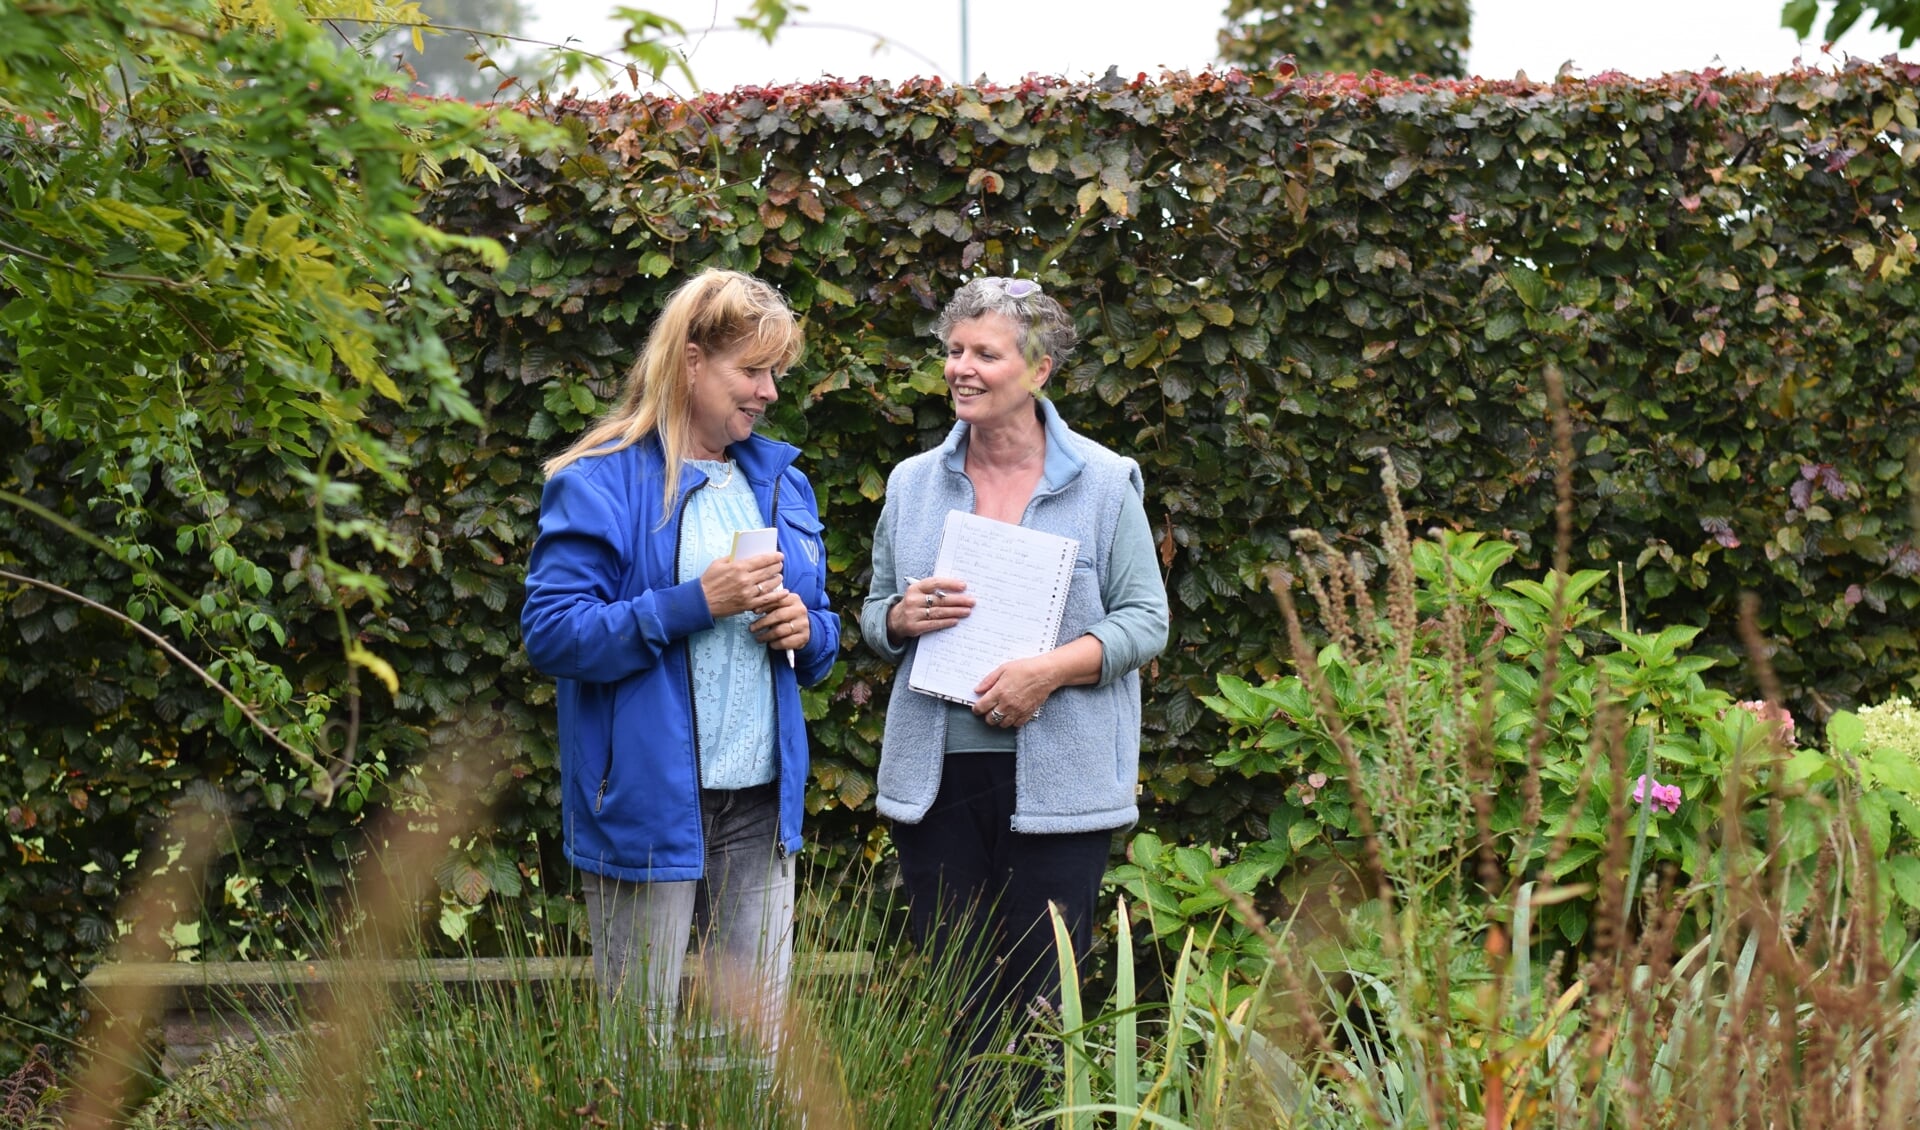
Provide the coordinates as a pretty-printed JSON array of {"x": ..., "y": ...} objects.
[{"x": 169, "y": 893}]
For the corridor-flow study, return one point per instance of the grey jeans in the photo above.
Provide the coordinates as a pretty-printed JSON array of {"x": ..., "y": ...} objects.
[{"x": 740, "y": 916}]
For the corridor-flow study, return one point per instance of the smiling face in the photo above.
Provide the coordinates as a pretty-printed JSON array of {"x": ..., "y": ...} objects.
[
  {"x": 987, "y": 375},
  {"x": 729, "y": 397}
]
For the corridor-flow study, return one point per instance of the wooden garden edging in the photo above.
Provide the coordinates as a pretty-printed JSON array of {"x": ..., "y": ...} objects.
[{"x": 201, "y": 1003}]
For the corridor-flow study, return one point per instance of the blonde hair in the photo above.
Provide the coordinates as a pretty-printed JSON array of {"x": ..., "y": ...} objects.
[{"x": 718, "y": 310}]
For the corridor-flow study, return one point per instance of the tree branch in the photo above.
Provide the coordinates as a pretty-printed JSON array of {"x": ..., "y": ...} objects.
[
  {"x": 160, "y": 642},
  {"x": 55, "y": 520},
  {"x": 548, "y": 43},
  {"x": 153, "y": 280}
]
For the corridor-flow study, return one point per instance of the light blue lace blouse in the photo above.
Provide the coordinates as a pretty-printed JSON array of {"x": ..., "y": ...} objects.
[{"x": 732, "y": 682}]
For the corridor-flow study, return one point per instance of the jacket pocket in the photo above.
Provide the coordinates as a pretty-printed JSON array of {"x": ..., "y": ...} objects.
[{"x": 804, "y": 544}]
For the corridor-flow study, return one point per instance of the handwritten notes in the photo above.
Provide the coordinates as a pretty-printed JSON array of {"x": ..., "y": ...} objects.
[{"x": 1018, "y": 578}]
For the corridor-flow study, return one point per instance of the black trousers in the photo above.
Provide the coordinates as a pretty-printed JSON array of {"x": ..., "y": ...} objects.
[{"x": 973, "y": 881}]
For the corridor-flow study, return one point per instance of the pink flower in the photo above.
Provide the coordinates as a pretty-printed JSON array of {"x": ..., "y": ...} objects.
[
  {"x": 1664, "y": 796},
  {"x": 1768, "y": 712},
  {"x": 1317, "y": 780}
]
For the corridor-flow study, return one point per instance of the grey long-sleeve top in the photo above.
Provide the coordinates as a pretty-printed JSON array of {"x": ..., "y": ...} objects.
[{"x": 1078, "y": 762}]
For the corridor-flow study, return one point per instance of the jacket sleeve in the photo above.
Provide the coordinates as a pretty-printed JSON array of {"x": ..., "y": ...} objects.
[
  {"x": 1134, "y": 630},
  {"x": 814, "y": 662},
  {"x": 575, "y": 623},
  {"x": 881, "y": 593}
]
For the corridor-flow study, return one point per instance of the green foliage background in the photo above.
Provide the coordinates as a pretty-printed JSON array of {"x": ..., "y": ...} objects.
[
  {"x": 1271, "y": 279},
  {"x": 1397, "y": 37}
]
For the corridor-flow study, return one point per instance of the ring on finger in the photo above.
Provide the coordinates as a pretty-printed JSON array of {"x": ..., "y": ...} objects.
[
  {"x": 929, "y": 601},
  {"x": 759, "y": 588},
  {"x": 996, "y": 715}
]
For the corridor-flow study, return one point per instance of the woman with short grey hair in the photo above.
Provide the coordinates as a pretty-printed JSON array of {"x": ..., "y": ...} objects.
[
  {"x": 1045, "y": 328},
  {"x": 1001, "y": 808}
]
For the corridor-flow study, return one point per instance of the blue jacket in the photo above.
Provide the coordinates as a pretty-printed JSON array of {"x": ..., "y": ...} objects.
[{"x": 606, "y": 616}]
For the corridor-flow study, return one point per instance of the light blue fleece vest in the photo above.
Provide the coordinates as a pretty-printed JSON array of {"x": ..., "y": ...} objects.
[{"x": 1078, "y": 763}]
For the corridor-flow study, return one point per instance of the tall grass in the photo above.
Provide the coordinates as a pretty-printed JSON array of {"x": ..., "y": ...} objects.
[{"x": 881, "y": 1048}]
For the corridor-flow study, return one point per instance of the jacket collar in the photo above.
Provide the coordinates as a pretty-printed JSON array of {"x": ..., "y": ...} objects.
[
  {"x": 761, "y": 459},
  {"x": 1063, "y": 463}
]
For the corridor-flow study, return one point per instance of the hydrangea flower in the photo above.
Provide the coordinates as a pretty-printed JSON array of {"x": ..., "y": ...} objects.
[
  {"x": 1768, "y": 712},
  {"x": 1893, "y": 724},
  {"x": 1664, "y": 796}
]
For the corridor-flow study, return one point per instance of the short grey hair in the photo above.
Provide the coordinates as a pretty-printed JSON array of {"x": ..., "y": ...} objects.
[{"x": 1044, "y": 328}]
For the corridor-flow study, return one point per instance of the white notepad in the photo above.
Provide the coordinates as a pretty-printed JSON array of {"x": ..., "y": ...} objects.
[
  {"x": 1018, "y": 579},
  {"x": 753, "y": 543}
]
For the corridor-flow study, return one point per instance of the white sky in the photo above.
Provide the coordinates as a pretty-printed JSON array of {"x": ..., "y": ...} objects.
[{"x": 1010, "y": 38}]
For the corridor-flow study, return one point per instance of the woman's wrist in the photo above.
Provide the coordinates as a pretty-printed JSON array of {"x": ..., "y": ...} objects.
[
  {"x": 896, "y": 635},
  {"x": 1055, "y": 672}
]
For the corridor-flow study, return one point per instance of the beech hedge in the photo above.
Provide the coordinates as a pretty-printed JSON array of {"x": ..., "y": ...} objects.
[{"x": 1274, "y": 276}]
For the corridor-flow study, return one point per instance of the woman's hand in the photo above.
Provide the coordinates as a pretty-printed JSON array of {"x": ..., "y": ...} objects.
[
  {"x": 751, "y": 584},
  {"x": 929, "y": 604},
  {"x": 784, "y": 626},
  {"x": 1014, "y": 692}
]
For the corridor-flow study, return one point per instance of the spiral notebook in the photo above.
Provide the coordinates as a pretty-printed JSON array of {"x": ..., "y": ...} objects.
[{"x": 1019, "y": 578}]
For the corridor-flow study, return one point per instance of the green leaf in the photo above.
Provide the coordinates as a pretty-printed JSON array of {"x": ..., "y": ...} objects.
[
  {"x": 835, "y": 293},
  {"x": 1302, "y": 833},
  {"x": 1503, "y": 324},
  {"x": 1799, "y": 15},
  {"x": 1905, "y": 871},
  {"x": 453, "y": 923},
  {"x": 1845, "y": 731},
  {"x": 1878, "y": 819},
  {"x": 1530, "y": 286},
  {"x": 1893, "y": 768}
]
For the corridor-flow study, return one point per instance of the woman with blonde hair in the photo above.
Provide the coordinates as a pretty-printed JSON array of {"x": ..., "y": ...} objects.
[{"x": 683, "y": 749}]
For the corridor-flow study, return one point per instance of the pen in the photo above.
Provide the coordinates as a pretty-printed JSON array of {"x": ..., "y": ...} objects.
[
  {"x": 788, "y": 650},
  {"x": 911, "y": 581},
  {"x": 755, "y": 616}
]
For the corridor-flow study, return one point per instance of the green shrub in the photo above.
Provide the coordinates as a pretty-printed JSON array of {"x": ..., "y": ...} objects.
[
  {"x": 1564, "y": 883},
  {"x": 1271, "y": 277},
  {"x": 1465, "y": 699}
]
